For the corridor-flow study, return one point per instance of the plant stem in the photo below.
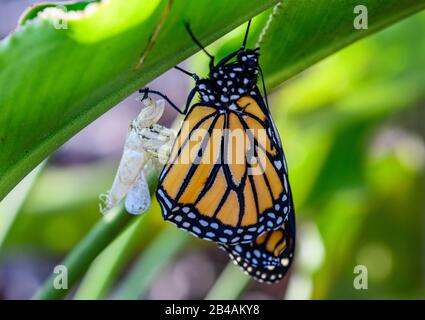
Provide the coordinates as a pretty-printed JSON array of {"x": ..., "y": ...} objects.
[
  {"x": 78, "y": 261},
  {"x": 152, "y": 261},
  {"x": 11, "y": 205},
  {"x": 229, "y": 285},
  {"x": 105, "y": 269}
]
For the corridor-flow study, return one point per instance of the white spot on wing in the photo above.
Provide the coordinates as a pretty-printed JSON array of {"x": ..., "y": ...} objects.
[
  {"x": 163, "y": 197},
  {"x": 284, "y": 262}
]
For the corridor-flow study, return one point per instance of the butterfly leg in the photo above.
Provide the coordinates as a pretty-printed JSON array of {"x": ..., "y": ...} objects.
[{"x": 146, "y": 91}]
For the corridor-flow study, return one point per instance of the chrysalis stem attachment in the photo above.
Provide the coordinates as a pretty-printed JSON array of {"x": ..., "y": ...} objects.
[{"x": 148, "y": 144}]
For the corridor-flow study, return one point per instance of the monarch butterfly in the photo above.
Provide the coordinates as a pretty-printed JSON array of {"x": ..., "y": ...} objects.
[{"x": 202, "y": 189}]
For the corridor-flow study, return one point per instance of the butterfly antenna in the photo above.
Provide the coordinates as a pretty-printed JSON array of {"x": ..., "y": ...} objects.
[
  {"x": 190, "y": 74},
  {"x": 199, "y": 44},
  {"x": 246, "y": 34}
]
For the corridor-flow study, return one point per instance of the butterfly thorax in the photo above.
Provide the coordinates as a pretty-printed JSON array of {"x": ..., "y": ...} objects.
[{"x": 229, "y": 81}]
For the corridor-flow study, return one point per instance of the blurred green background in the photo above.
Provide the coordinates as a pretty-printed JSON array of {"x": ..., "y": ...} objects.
[{"x": 354, "y": 136}]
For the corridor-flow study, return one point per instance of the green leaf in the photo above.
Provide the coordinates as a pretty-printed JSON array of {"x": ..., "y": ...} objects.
[
  {"x": 12, "y": 204},
  {"x": 303, "y": 31}
]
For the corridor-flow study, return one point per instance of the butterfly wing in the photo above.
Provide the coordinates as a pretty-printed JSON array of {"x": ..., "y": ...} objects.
[
  {"x": 270, "y": 256},
  {"x": 206, "y": 191}
]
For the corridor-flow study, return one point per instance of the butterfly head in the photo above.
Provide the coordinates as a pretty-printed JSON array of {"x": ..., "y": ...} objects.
[
  {"x": 230, "y": 80},
  {"x": 248, "y": 58}
]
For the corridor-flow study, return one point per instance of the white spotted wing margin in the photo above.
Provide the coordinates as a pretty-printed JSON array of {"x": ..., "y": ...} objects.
[{"x": 258, "y": 261}]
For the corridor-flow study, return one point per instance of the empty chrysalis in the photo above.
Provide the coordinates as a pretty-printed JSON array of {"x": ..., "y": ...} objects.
[{"x": 147, "y": 144}]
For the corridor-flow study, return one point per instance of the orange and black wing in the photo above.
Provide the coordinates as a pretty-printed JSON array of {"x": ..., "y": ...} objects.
[
  {"x": 269, "y": 258},
  {"x": 226, "y": 177}
]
